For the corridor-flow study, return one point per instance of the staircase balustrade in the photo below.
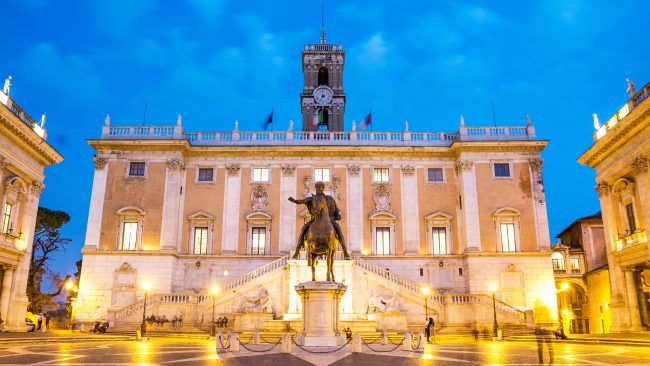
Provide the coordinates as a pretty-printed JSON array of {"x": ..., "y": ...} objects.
[
  {"x": 257, "y": 272},
  {"x": 501, "y": 306}
]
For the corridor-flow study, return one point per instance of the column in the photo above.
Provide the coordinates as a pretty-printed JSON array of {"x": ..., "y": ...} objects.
[
  {"x": 642, "y": 178},
  {"x": 539, "y": 205},
  {"x": 6, "y": 289},
  {"x": 410, "y": 211},
  {"x": 468, "y": 191},
  {"x": 231, "y": 219},
  {"x": 95, "y": 212},
  {"x": 354, "y": 209},
  {"x": 169, "y": 238},
  {"x": 633, "y": 305},
  {"x": 288, "y": 236},
  {"x": 640, "y": 296},
  {"x": 618, "y": 305},
  {"x": 18, "y": 305}
]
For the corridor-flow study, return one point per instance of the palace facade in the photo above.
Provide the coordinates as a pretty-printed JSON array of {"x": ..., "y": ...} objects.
[
  {"x": 461, "y": 213},
  {"x": 24, "y": 154},
  {"x": 619, "y": 155}
]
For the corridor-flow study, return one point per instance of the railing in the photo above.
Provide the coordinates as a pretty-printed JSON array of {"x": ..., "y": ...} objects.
[
  {"x": 257, "y": 272},
  {"x": 396, "y": 279},
  {"x": 632, "y": 103},
  {"x": 323, "y": 47},
  {"x": 153, "y": 299},
  {"x": 342, "y": 138},
  {"x": 460, "y": 299},
  {"x": 21, "y": 114}
]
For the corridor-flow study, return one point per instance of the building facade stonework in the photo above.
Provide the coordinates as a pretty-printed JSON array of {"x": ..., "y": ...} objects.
[
  {"x": 24, "y": 154},
  {"x": 620, "y": 155},
  {"x": 412, "y": 217}
]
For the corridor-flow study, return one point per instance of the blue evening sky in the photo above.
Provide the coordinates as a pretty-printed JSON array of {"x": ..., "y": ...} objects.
[{"x": 427, "y": 62}]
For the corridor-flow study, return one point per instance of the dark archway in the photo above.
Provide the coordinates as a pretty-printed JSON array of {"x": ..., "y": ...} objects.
[{"x": 323, "y": 76}]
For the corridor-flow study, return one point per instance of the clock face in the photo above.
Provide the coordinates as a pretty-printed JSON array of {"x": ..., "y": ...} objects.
[{"x": 323, "y": 95}]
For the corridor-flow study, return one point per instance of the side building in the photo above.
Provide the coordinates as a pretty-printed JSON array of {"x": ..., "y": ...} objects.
[
  {"x": 24, "y": 154},
  {"x": 619, "y": 155}
]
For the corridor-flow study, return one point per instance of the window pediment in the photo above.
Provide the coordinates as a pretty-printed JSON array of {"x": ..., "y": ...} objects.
[
  {"x": 130, "y": 211},
  {"x": 506, "y": 211},
  {"x": 258, "y": 216},
  {"x": 382, "y": 215},
  {"x": 201, "y": 216},
  {"x": 623, "y": 185},
  {"x": 438, "y": 216}
]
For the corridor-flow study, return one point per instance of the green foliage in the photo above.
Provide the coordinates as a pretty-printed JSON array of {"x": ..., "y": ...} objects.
[{"x": 47, "y": 242}]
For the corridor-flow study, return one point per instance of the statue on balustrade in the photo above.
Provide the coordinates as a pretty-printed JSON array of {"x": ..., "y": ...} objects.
[{"x": 257, "y": 304}]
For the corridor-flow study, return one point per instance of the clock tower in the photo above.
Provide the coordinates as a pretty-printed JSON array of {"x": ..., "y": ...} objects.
[{"x": 322, "y": 99}]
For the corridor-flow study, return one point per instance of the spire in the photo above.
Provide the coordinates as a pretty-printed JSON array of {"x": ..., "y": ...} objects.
[{"x": 323, "y": 40}]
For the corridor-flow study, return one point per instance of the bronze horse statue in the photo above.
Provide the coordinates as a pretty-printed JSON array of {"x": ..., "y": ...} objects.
[{"x": 320, "y": 239}]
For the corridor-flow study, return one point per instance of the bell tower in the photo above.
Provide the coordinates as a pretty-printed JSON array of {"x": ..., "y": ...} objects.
[{"x": 322, "y": 99}]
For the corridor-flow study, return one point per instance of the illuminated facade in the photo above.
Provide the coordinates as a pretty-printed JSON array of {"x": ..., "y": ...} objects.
[
  {"x": 452, "y": 211},
  {"x": 619, "y": 155},
  {"x": 24, "y": 154}
]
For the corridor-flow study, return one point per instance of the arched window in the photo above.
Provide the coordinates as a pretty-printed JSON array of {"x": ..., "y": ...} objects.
[
  {"x": 325, "y": 123},
  {"x": 323, "y": 76},
  {"x": 558, "y": 262}
]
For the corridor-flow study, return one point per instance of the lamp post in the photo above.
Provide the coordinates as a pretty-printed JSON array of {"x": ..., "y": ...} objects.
[
  {"x": 495, "y": 326},
  {"x": 143, "y": 326},
  {"x": 72, "y": 290},
  {"x": 213, "y": 292},
  {"x": 426, "y": 291}
]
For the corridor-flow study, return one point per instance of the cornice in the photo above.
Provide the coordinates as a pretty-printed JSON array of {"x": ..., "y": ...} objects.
[
  {"x": 498, "y": 146},
  {"x": 25, "y": 138}
]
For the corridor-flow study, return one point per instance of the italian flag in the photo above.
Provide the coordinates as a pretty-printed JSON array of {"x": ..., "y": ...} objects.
[{"x": 317, "y": 119}]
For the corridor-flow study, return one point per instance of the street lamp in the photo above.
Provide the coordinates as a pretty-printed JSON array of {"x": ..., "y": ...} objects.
[
  {"x": 426, "y": 291},
  {"x": 143, "y": 326},
  {"x": 213, "y": 292},
  {"x": 495, "y": 327}
]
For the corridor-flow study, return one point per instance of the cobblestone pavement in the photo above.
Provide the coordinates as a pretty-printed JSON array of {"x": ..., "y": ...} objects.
[{"x": 200, "y": 352}]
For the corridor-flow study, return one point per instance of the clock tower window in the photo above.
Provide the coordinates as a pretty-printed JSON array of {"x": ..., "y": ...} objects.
[
  {"x": 324, "y": 120},
  {"x": 323, "y": 76}
]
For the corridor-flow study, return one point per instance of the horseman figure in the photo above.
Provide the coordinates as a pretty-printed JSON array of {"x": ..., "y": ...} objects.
[{"x": 322, "y": 234}]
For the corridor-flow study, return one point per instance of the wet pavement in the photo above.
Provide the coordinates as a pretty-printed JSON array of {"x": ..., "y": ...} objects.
[{"x": 203, "y": 352}]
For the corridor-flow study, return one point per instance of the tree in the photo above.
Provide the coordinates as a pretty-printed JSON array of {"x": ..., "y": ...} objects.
[
  {"x": 74, "y": 289},
  {"x": 47, "y": 242}
]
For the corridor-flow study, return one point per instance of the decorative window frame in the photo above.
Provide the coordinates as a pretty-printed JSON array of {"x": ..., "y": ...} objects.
[
  {"x": 625, "y": 191},
  {"x": 214, "y": 174},
  {"x": 253, "y": 181},
  {"x": 313, "y": 173},
  {"x": 438, "y": 219},
  {"x": 507, "y": 215},
  {"x": 130, "y": 214},
  {"x": 510, "y": 169},
  {"x": 14, "y": 193},
  {"x": 200, "y": 219},
  {"x": 127, "y": 173},
  {"x": 390, "y": 175},
  {"x": 557, "y": 254},
  {"x": 258, "y": 219},
  {"x": 383, "y": 219},
  {"x": 426, "y": 175}
]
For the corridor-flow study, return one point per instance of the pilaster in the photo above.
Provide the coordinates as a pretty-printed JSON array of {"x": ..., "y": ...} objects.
[
  {"x": 539, "y": 205},
  {"x": 231, "y": 216},
  {"x": 467, "y": 175},
  {"x": 7, "y": 283},
  {"x": 410, "y": 211},
  {"x": 96, "y": 209},
  {"x": 354, "y": 209},
  {"x": 169, "y": 238},
  {"x": 288, "y": 234}
]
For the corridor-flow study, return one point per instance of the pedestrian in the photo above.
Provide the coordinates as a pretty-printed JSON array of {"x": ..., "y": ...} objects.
[
  {"x": 47, "y": 321},
  {"x": 428, "y": 327},
  {"x": 475, "y": 331},
  {"x": 39, "y": 321},
  {"x": 225, "y": 322},
  {"x": 2, "y": 325},
  {"x": 219, "y": 322}
]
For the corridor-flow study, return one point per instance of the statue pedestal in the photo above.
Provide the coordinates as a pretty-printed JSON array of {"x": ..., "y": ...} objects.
[
  {"x": 243, "y": 322},
  {"x": 320, "y": 313}
]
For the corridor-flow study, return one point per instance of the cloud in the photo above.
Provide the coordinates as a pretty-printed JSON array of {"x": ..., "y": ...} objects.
[
  {"x": 208, "y": 10},
  {"x": 116, "y": 18},
  {"x": 373, "y": 52}
]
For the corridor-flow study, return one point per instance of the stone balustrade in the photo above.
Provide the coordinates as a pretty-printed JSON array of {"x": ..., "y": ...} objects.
[{"x": 632, "y": 103}]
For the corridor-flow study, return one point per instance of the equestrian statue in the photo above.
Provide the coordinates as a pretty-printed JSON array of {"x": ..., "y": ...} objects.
[{"x": 322, "y": 234}]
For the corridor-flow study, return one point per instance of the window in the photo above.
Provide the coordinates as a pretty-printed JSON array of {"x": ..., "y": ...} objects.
[
  {"x": 200, "y": 240},
  {"x": 575, "y": 265},
  {"x": 629, "y": 210},
  {"x": 322, "y": 174},
  {"x": 439, "y": 240},
  {"x": 136, "y": 169},
  {"x": 259, "y": 240},
  {"x": 129, "y": 235},
  {"x": 260, "y": 174},
  {"x": 502, "y": 170},
  {"x": 381, "y": 175},
  {"x": 508, "y": 237},
  {"x": 558, "y": 262},
  {"x": 206, "y": 175},
  {"x": 6, "y": 218},
  {"x": 434, "y": 175},
  {"x": 323, "y": 76},
  {"x": 383, "y": 240}
]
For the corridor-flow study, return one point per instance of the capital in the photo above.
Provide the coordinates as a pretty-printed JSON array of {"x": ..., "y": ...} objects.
[
  {"x": 288, "y": 170},
  {"x": 536, "y": 164},
  {"x": 232, "y": 169},
  {"x": 408, "y": 169},
  {"x": 175, "y": 164},
  {"x": 464, "y": 165},
  {"x": 602, "y": 189},
  {"x": 640, "y": 164},
  {"x": 354, "y": 169},
  {"x": 100, "y": 163},
  {"x": 37, "y": 187}
]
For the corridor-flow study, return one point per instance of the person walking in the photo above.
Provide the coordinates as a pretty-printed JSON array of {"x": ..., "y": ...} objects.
[
  {"x": 47, "y": 321},
  {"x": 428, "y": 328},
  {"x": 39, "y": 321}
]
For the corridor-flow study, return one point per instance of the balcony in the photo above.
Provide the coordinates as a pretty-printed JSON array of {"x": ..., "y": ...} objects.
[{"x": 626, "y": 241}]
